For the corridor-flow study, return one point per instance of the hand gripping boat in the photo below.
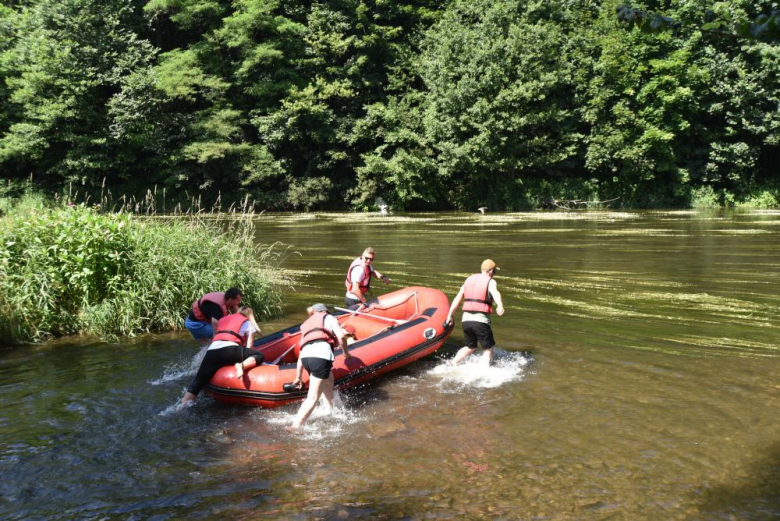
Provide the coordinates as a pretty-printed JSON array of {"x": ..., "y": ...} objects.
[{"x": 396, "y": 330}]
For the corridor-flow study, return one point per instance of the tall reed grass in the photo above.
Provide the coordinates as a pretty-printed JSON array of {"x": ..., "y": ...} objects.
[{"x": 68, "y": 268}]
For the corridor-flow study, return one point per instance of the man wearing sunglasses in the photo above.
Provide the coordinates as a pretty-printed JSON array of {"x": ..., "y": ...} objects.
[{"x": 358, "y": 279}]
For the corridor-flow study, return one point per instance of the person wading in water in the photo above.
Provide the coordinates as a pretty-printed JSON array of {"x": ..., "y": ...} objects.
[
  {"x": 321, "y": 334},
  {"x": 479, "y": 292}
]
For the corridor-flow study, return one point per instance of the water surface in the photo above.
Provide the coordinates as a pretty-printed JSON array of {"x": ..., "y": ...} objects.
[{"x": 638, "y": 377}]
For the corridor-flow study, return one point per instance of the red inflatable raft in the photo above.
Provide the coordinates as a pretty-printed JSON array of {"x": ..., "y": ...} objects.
[{"x": 399, "y": 328}]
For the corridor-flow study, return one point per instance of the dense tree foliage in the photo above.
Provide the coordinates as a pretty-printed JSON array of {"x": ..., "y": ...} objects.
[{"x": 308, "y": 104}]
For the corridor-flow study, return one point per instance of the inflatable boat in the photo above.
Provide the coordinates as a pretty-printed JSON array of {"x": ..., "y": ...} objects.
[{"x": 395, "y": 330}]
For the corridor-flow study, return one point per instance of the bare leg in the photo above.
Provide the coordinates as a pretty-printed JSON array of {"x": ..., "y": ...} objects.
[
  {"x": 246, "y": 365},
  {"x": 487, "y": 357},
  {"x": 188, "y": 397},
  {"x": 327, "y": 393},
  {"x": 463, "y": 353},
  {"x": 337, "y": 401},
  {"x": 315, "y": 390}
]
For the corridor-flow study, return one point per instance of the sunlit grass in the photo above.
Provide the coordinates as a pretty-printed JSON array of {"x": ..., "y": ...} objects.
[
  {"x": 68, "y": 269},
  {"x": 762, "y": 212},
  {"x": 660, "y": 232},
  {"x": 705, "y": 301},
  {"x": 742, "y": 232},
  {"x": 656, "y": 213},
  {"x": 732, "y": 346}
]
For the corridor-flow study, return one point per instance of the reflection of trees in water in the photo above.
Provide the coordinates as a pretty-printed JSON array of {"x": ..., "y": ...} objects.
[{"x": 754, "y": 493}]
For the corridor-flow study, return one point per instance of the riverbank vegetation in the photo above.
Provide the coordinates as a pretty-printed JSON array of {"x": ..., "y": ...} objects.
[
  {"x": 424, "y": 104},
  {"x": 72, "y": 269}
]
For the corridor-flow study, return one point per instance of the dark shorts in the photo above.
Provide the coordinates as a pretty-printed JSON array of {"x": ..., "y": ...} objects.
[
  {"x": 474, "y": 331},
  {"x": 317, "y": 367},
  {"x": 349, "y": 302}
]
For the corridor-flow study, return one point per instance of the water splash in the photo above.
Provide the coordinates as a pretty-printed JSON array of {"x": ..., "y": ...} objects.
[
  {"x": 506, "y": 367},
  {"x": 173, "y": 409},
  {"x": 181, "y": 368},
  {"x": 322, "y": 424}
]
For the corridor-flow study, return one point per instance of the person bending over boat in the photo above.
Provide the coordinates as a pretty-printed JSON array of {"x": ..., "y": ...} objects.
[
  {"x": 207, "y": 310},
  {"x": 479, "y": 292},
  {"x": 321, "y": 334},
  {"x": 231, "y": 342},
  {"x": 358, "y": 279}
]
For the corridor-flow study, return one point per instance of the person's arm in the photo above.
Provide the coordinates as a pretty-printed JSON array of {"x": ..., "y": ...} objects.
[
  {"x": 497, "y": 299},
  {"x": 381, "y": 277},
  {"x": 250, "y": 332},
  {"x": 298, "y": 383},
  {"x": 344, "y": 348},
  {"x": 342, "y": 338},
  {"x": 455, "y": 304}
]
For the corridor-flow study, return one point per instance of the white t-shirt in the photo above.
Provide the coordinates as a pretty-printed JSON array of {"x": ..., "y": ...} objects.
[
  {"x": 357, "y": 275},
  {"x": 322, "y": 349},
  {"x": 482, "y": 317},
  {"x": 246, "y": 329}
]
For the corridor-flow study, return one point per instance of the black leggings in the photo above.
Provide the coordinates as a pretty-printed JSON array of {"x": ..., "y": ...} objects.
[{"x": 217, "y": 358}]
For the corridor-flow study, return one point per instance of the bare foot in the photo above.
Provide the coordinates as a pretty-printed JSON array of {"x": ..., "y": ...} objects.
[
  {"x": 293, "y": 428},
  {"x": 239, "y": 370}
]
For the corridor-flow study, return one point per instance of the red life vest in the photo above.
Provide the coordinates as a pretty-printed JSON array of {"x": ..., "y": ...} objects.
[
  {"x": 314, "y": 330},
  {"x": 365, "y": 284},
  {"x": 217, "y": 298},
  {"x": 229, "y": 327},
  {"x": 476, "y": 295}
]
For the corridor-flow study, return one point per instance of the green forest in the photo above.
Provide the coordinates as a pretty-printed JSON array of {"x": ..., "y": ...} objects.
[{"x": 421, "y": 104}]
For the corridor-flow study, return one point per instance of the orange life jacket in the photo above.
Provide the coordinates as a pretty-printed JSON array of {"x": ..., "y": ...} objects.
[
  {"x": 365, "y": 284},
  {"x": 476, "y": 295},
  {"x": 229, "y": 327},
  {"x": 217, "y": 298},
  {"x": 314, "y": 330}
]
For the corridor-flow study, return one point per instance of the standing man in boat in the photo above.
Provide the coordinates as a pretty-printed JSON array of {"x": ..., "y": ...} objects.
[
  {"x": 358, "y": 279},
  {"x": 478, "y": 292},
  {"x": 321, "y": 335},
  {"x": 207, "y": 310}
]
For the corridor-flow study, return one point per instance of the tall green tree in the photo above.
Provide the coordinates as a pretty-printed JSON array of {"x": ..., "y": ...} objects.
[
  {"x": 68, "y": 59},
  {"x": 495, "y": 112},
  {"x": 8, "y": 30},
  {"x": 696, "y": 106},
  {"x": 353, "y": 51}
]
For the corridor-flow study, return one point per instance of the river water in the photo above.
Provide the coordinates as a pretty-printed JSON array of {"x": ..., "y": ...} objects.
[{"x": 637, "y": 377}]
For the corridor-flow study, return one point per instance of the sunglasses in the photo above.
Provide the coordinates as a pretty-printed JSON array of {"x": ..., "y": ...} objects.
[{"x": 368, "y": 258}]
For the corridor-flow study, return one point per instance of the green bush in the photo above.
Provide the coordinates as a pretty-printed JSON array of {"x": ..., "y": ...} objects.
[
  {"x": 704, "y": 197},
  {"x": 762, "y": 199},
  {"x": 73, "y": 270}
]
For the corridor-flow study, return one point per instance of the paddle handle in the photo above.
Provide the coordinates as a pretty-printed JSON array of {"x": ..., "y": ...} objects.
[{"x": 393, "y": 320}]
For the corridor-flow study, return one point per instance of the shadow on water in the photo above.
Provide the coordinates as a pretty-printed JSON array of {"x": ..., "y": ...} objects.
[{"x": 752, "y": 493}]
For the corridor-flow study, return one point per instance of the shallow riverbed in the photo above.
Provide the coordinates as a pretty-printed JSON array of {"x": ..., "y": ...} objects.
[{"x": 638, "y": 377}]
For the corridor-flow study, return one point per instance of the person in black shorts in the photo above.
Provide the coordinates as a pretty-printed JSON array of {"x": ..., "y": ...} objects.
[
  {"x": 478, "y": 293},
  {"x": 321, "y": 335}
]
